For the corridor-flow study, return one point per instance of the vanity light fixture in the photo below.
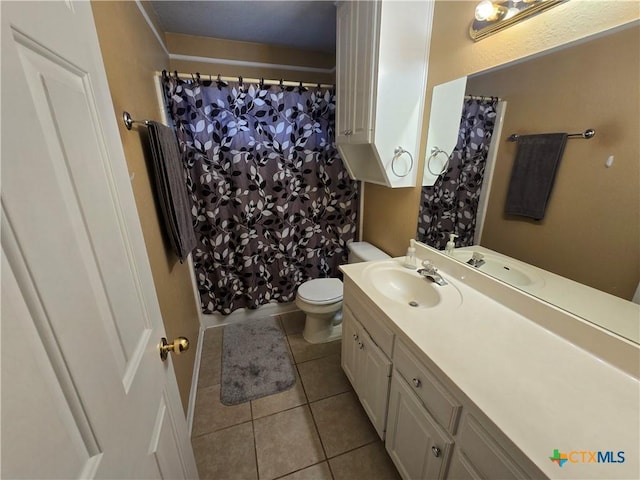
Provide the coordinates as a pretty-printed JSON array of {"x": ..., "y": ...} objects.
[
  {"x": 493, "y": 16},
  {"x": 489, "y": 11}
]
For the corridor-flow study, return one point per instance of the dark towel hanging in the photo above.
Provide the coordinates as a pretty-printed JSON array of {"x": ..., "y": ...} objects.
[
  {"x": 175, "y": 202},
  {"x": 533, "y": 174}
]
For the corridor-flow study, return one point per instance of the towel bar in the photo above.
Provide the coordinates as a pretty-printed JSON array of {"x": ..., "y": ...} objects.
[
  {"x": 128, "y": 121},
  {"x": 587, "y": 134}
]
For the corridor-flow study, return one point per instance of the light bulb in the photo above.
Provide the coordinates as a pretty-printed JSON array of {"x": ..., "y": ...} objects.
[
  {"x": 485, "y": 10},
  {"x": 489, "y": 11},
  {"x": 511, "y": 12}
]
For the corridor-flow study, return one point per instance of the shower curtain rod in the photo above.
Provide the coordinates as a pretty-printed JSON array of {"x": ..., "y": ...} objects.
[
  {"x": 218, "y": 78},
  {"x": 481, "y": 97},
  {"x": 587, "y": 134}
]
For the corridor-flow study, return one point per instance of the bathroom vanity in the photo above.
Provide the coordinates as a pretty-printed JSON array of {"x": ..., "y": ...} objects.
[{"x": 477, "y": 379}]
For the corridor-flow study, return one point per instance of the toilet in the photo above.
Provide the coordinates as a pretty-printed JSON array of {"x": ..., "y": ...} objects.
[{"x": 321, "y": 299}]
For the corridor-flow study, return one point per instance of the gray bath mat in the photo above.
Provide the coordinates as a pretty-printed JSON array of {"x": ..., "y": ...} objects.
[{"x": 255, "y": 361}]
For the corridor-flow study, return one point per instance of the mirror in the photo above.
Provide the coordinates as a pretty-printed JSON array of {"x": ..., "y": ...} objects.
[{"x": 591, "y": 229}]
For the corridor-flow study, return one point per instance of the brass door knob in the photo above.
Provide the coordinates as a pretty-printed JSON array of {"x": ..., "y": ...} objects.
[{"x": 179, "y": 345}]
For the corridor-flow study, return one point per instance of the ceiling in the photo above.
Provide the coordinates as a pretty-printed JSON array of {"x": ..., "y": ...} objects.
[{"x": 307, "y": 25}]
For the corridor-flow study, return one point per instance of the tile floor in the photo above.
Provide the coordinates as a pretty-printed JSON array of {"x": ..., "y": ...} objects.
[{"x": 315, "y": 431}]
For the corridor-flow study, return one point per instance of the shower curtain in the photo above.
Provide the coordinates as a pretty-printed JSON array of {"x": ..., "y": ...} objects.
[
  {"x": 273, "y": 205},
  {"x": 451, "y": 204}
]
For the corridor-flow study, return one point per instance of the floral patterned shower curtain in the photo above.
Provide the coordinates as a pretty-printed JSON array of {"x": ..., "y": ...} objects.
[
  {"x": 451, "y": 204},
  {"x": 273, "y": 203}
]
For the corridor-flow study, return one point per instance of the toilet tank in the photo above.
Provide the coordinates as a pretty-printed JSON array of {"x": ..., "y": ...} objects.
[{"x": 364, "y": 252}]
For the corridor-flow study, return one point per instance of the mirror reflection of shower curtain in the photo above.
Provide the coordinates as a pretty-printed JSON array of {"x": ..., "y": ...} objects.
[{"x": 451, "y": 204}]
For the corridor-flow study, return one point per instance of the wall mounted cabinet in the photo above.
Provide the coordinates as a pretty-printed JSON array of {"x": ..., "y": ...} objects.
[{"x": 382, "y": 58}]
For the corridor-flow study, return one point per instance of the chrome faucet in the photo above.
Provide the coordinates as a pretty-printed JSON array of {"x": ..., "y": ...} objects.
[
  {"x": 476, "y": 260},
  {"x": 431, "y": 272}
]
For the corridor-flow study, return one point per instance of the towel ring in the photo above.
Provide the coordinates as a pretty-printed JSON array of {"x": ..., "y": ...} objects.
[
  {"x": 435, "y": 151},
  {"x": 396, "y": 154}
]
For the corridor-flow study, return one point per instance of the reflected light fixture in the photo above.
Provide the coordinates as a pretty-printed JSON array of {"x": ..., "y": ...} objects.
[{"x": 493, "y": 16}]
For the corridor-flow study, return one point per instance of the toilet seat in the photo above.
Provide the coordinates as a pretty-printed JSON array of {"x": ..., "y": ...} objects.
[{"x": 321, "y": 291}]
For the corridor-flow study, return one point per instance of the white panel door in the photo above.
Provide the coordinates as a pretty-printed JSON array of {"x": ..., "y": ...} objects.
[{"x": 84, "y": 392}]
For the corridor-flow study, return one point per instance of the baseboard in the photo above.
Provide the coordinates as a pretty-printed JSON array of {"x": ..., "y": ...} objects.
[{"x": 194, "y": 381}]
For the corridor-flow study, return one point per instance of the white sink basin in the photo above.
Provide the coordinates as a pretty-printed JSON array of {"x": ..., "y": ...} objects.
[
  {"x": 406, "y": 287},
  {"x": 502, "y": 269}
]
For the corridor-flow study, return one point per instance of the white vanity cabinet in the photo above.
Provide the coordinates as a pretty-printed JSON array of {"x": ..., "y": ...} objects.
[
  {"x": 470, "y": 396},
  {"x": 382, "y": 51},
  {"x": 365, "y": 363},
  {"x": 431, "y": 429}
]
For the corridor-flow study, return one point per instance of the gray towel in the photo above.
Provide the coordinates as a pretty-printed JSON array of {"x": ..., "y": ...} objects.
[
  {"x": 533, "y": 174},
  {"x": 171, "y": 189}
]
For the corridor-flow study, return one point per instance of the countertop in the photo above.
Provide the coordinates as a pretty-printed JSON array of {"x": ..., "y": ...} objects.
[{"x": 541, "y": 390}]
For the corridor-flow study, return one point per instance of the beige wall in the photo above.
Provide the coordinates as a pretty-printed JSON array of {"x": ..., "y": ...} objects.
[
  {"x": 390, "y": 216},
  {"x": 131, "y": 55},
  {"x": 591, "y": 228},
  {"x": 180, "y": 44}
]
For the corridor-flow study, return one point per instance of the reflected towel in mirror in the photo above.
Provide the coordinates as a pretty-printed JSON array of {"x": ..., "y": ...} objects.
[{"x": 533, "y": 174}]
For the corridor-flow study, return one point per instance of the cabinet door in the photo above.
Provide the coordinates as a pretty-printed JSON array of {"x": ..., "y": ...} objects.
[
  {"x": 365, "y": 27},
  {"x": 357, "y": 26},
  {"x": 367, "y": 368},
  {"x": 486, "y": 454},
  {"x": 374, "y": 382},
  {"x": 461, "y": 468},
  {"x": 419, "y": 448},
  {"x": 344, "y": 62},
  {"x": 350, "y": 351}
]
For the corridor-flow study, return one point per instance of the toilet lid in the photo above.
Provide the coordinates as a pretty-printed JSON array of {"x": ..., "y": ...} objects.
[{"x": 321, "y": 290}]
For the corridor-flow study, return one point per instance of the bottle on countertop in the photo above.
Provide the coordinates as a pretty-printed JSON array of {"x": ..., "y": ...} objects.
[
  {"x": 410, "y": 258},
  {"x": 451, "y": 244}
]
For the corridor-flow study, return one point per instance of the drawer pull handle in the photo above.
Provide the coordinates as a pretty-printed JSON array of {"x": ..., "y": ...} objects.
[
  {"x": 416, "y": 382},
  {"x": 436, "y": 451},
  {"x": 355, "y": 336},
  {"x": 360, "y": 345}
]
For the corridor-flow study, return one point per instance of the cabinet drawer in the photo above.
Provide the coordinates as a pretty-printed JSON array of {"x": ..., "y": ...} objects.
[
  {"x": 367, "y": 316},
  {"x": 485, "y": 454},
  {"x": 438, "y": 401}
]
